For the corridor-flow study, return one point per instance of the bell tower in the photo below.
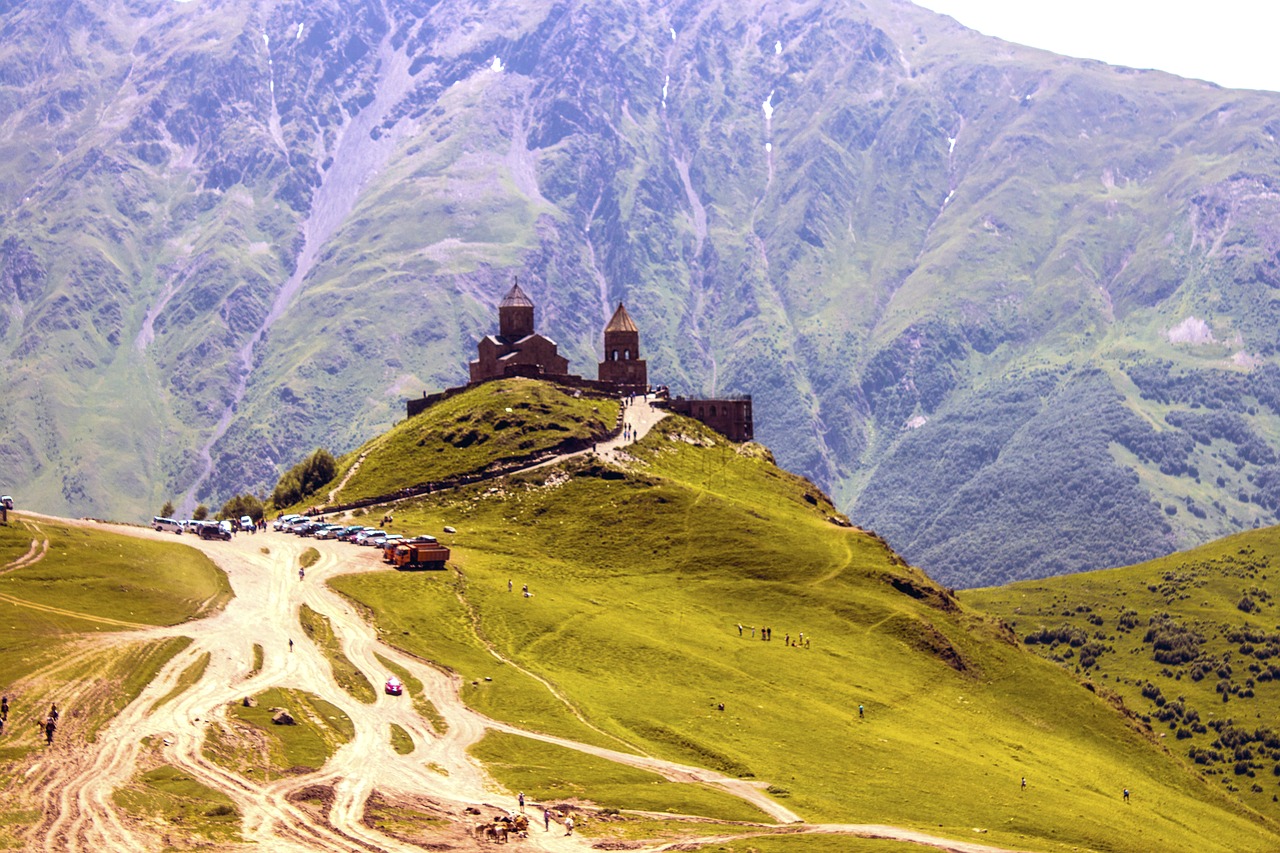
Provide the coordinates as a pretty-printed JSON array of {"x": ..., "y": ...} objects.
[{"x": 622, "y": 364}]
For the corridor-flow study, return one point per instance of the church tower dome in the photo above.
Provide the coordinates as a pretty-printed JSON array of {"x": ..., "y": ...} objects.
[{"x": 515, "y": 314}]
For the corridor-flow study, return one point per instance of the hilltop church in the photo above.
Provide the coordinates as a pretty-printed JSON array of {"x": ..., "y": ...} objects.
[{"x": 519, "y": 350}]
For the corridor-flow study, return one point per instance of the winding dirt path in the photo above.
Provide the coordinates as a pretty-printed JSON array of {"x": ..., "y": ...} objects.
[{"x": 80, "y": 816}]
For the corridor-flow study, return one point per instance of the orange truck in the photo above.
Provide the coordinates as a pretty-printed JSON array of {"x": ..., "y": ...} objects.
[{"x": 418, "y": 555}]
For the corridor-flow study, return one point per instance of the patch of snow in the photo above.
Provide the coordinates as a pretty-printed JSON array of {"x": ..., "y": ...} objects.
[
  {"x": 1193, "y": 331},
  {"x": 666, "y": 83},
  {"x": 496, "y": 65},
  {"x": 1243, "y": 359},
  {"x": 673, "y": 33},
  {"x": 950, "y": 196},
  {"x": 768, "y": 146},
  {"x": 767, "y": 106},
  {"x": 266, "y": 40},
  {"x": 951, "y": 145},
  {"x": 916, "y": 422},
  {"x": 298, "y": 34},
  {"x": 777, "y": 47}
]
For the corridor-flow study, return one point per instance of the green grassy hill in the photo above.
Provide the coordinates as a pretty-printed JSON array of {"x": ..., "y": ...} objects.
[
  {"x": 1191, "y": 642},
  {"x": 481, "y": 427},
  {"x": 649, "y": 589}
]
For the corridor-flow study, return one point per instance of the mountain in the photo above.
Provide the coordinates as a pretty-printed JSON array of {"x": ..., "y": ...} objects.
[
  {"x": 1016, "y": 312},
  {"x": 1190, "y": 643}
]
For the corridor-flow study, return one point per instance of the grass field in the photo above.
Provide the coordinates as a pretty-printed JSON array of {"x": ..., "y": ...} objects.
[
  {"x": 166, "y": 795},
  {"x": 1191, "y": 642},
  {"x": 631, "y": 636},
  {"x": 274, "y": 750}
]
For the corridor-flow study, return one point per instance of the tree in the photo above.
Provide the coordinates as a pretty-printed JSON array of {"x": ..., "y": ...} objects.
[
  {"x": 305, "y": 478},
  {"x": 167, "y": 510},
  {"x": 242, "y": 505},
  {"x": 201, "y": 513}
]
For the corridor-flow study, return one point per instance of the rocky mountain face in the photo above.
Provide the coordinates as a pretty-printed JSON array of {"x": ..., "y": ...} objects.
[{"x": 1017, "y": 312}]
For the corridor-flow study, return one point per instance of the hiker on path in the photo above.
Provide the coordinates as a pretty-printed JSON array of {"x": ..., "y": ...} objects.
[
  {"x": 510, "y": 585},
  {"x": 302, "y": 573},
  {"x": 291, "y": 644},
  {"x": 1024, "y": 783},
  {"x": 53, "y": 712},
  {"x": 4, "y": 708},
  {"x": 521, "y": 798},
  {"x": 568, "y": 826},
  {"x": 739, "y": 629},
  {"x": 546, "y": 819},
  {"x": 1126, "y": 795},
  {"x": 51, "y": 726},
  {"x": 860, "y": 712}
]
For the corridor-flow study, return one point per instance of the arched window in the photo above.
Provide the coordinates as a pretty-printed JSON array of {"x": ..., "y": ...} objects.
[
  {"x": 615, "y": 356},
  {"x": 626, "y": 355},
  {"x": 713, "y": 411},
  {"x": 702, "y": 413}
]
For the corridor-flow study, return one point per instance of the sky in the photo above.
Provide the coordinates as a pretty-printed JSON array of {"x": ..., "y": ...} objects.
[{"x": 1229, "y": 42}]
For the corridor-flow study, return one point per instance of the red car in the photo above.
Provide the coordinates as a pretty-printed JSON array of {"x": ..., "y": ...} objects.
[{"x": 394, "y": 687}]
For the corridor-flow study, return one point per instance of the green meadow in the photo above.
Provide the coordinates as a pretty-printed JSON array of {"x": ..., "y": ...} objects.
[
  {"x": 630, "y": 639},
  {"x": 1190, "y": 642}
]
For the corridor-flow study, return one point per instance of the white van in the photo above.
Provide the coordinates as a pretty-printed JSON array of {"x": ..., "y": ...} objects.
[{"x": 167, "y": 525}]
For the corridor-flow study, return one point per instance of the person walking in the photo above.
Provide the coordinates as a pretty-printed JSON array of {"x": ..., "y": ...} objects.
[
  {"x": 568, "y": 826},
  {"x": 51, "y": 726},
  {"x": 291, "y": 644},
  {"x": 302, "y": 573},
  {"x": 4, "y": 708},
  {"x": 1024, "y": 783},
  {"x": 546, "y": 819},
  {"x": 1126, "y": 795},
  {"x": 521, "y": 799}
]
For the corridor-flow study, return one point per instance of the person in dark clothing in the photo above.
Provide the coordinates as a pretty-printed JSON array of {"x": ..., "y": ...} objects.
[{"x": 50, "y": 726}]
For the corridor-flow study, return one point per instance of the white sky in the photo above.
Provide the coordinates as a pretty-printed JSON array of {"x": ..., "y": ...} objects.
[{"x": 1234, "y": 43}]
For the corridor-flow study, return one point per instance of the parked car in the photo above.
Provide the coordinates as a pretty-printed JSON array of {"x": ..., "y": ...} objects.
[
  {"x": 6, "y": 501},
  {"x": 423, "y": 538},
  {"x": 394, "y": 686},
  {"x": 285, "y": 520},
  {"x": 247, "y": 523},
  {"x": 211, "y": 530},
  {"x": 329, "y": 531},
  {"x": 167, "y": 525},
  {"x": 348, "y": 532},
  {"x": 363, "y": 536},
  {"x": 376, "y": 539}
]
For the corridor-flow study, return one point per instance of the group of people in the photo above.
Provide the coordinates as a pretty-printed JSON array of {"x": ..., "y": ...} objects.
[
  {"x": 49, "y": 725},
  {"x": 546, "y": 816},
  {"x": 524, "y": 589},
  {"x": 766, "y": 634}
]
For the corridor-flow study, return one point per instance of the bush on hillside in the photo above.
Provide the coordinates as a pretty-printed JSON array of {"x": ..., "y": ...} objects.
[
  {"x": 304, "y": 478},
  {"x": 1172, "y": 642}
]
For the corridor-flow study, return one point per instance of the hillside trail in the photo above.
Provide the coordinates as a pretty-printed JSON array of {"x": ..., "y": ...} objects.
[{"x": 76, "y": 780}]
